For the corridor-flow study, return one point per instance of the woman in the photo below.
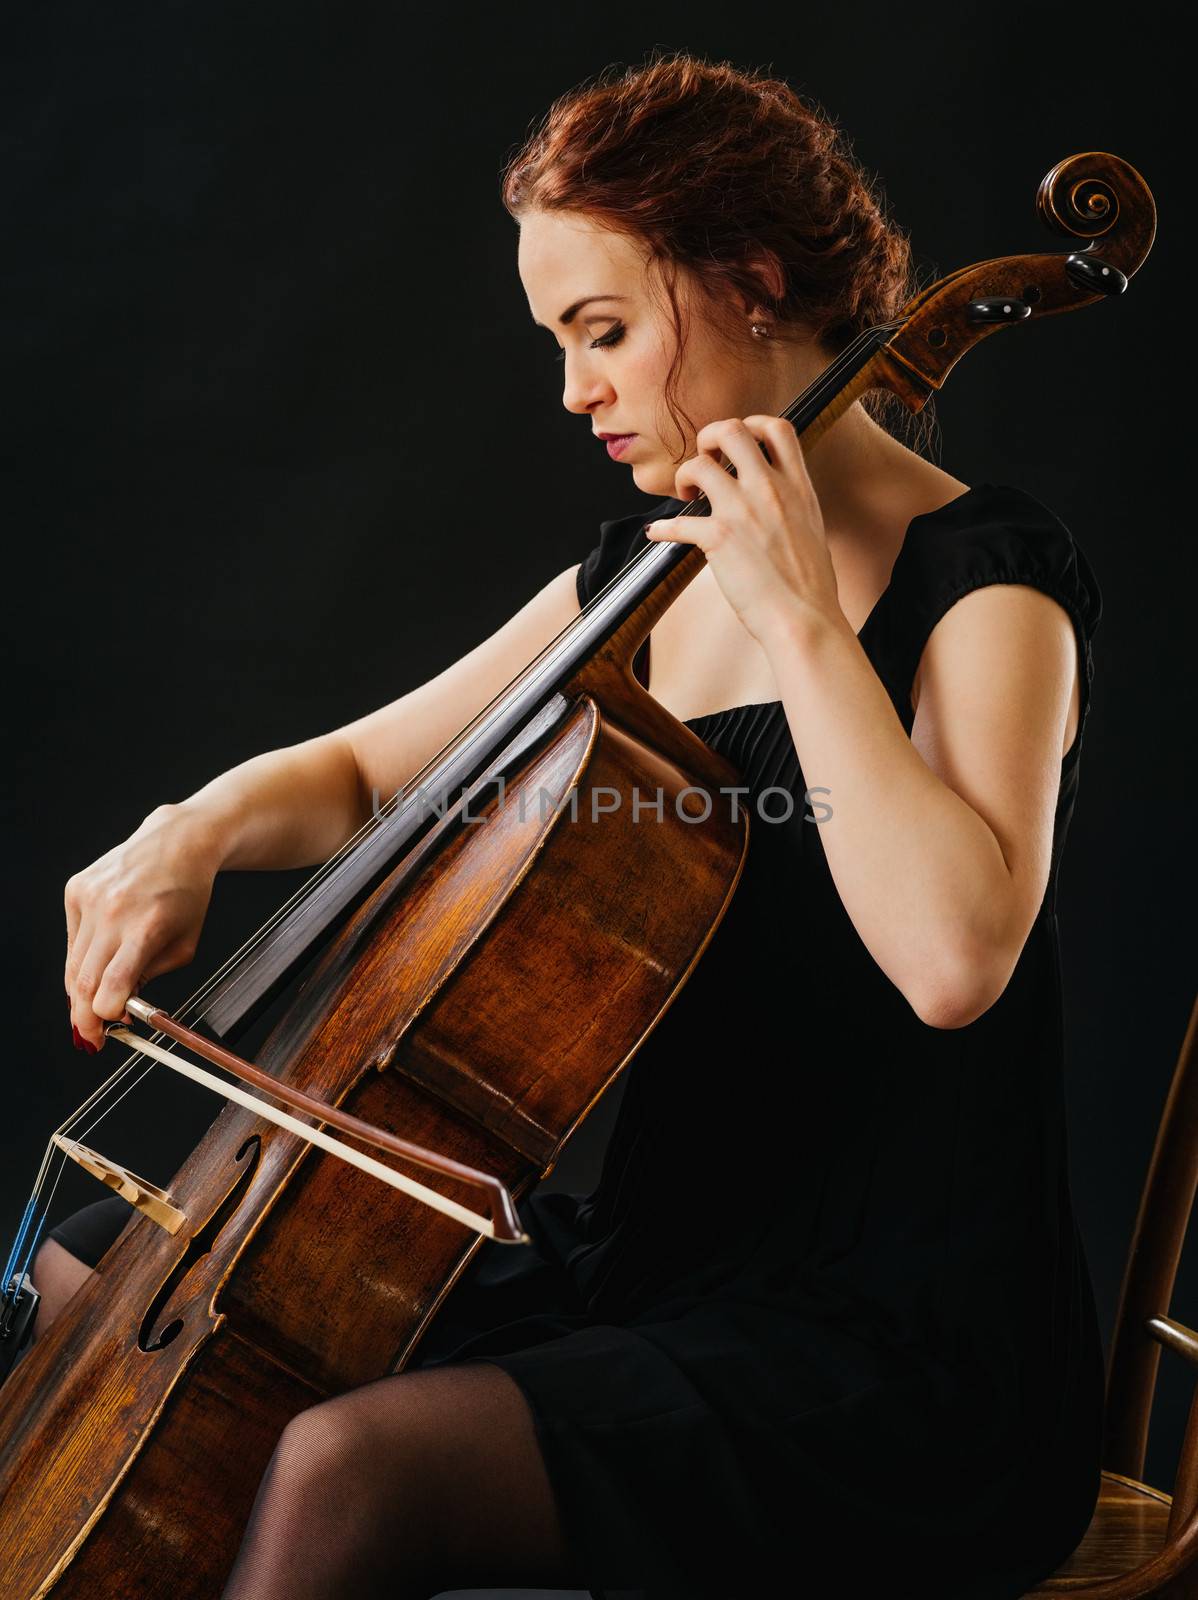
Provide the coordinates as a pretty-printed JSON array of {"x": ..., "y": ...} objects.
[{"x": 870, "y": 1355}]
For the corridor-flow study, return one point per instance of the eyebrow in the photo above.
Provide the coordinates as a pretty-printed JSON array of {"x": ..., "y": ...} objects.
[{"x": 571, "y": 312}]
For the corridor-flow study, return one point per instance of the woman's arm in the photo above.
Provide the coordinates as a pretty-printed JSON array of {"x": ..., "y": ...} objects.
[
  {"x": 297, "y": 806},
  {"x": 392, "y": 744},
  {"x": 939, "y": 845},
  {"x": 138, "y": 910}
]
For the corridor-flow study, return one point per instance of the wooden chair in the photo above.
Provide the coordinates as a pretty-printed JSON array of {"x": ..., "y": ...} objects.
[{"x": 1143, "y": 1542}]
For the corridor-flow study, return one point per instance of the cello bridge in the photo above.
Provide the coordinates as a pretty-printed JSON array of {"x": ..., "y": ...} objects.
[{"x": 146, "y": 1197}]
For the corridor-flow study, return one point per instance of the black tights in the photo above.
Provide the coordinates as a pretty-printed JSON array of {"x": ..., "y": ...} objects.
[{"x": 410, "y": 1485}]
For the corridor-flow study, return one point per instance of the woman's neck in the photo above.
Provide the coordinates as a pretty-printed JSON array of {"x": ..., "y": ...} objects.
[{"x": 867, "y": 481}]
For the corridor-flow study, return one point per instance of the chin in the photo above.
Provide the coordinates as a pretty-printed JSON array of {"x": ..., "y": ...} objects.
[{"x": 651, "y": 478}]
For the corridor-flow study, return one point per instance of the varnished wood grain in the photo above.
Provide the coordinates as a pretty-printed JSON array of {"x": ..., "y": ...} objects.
[{"x": 494, "y": 1004}]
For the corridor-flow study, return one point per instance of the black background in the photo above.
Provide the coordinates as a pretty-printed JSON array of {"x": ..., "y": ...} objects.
[{"x": 284, "y": 443}]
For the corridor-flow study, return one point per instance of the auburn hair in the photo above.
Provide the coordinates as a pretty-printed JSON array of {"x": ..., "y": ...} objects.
[{"x": 734, "y": 176}]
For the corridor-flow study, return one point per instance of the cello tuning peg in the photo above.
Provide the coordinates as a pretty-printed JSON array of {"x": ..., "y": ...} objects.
[
  {"x": 1091, "y": 272},
  {"x": 998, "y": 309}
]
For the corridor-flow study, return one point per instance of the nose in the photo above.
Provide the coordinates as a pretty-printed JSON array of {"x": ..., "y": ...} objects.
[{"x": 585, "y": 385}]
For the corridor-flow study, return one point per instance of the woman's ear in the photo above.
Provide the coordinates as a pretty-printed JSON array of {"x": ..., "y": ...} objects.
[{"x": 766, "y": 272}]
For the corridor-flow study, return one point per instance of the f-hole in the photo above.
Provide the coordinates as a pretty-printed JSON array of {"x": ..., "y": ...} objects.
[{"x": 198, "y": 1247}]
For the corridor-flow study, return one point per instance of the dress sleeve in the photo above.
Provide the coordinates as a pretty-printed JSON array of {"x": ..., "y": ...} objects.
[
  {"x": 619, "y": 540},
  {"x": 1005, "y": 536}
]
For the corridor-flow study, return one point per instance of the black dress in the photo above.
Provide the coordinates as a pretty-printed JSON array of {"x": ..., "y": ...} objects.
[{"x": 839, "y": 1329}]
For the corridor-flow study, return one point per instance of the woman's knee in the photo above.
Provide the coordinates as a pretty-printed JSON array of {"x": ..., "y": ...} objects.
[
  {"x": 60, "y": 1270},
  {"x": 410, "y": 1479},
  {"x": 314, "y": 1451},
  {"x": 58, "y": 1277}
]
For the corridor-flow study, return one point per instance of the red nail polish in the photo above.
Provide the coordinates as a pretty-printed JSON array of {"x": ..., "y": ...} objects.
[{"x": 81, "y": 1043}]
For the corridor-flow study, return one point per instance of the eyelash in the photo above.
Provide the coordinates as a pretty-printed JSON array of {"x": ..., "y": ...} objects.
[{"x": 604, "y": 343}]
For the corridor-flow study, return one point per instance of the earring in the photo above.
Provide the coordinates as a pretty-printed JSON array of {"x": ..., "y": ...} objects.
[{"x": 760, "y": 330}]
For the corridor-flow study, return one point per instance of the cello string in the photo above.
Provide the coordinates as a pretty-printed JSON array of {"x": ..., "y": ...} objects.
[
  {"x": 63, "y": 1159},
  {"x": 244, "y": 957},
  {"x": 828, "y": 380},
  {"x": 605, "y": 600},
  {"x": 29, "y": 1220},
  {"x": 31, "y": 1226},
  {"x": 96, "y": 1094}
]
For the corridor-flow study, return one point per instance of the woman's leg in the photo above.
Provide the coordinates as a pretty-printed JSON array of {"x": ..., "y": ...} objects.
[
  {"x": 57, "y": 1276},
  {"x": 407, "y": 1486},
  {"x": 69, "y": 1252}
]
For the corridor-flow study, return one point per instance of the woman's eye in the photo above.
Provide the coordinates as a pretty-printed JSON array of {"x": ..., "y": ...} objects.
[{"x": 604, "y": 343}]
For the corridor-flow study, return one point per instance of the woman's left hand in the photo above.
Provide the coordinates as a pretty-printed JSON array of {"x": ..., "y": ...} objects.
[{"x": 764, "y": 540}]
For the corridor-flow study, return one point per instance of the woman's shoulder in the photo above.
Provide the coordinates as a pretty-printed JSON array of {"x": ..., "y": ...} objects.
[
  {"x": 620, "y": 539},
  {"x": 995, "y": 533}
]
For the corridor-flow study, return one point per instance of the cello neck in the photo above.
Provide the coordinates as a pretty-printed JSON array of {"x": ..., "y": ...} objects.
[{"x": 608, "y": 630}]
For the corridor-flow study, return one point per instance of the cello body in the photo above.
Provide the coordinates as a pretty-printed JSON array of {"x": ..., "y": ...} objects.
[{"x": 493, "y": 1003}]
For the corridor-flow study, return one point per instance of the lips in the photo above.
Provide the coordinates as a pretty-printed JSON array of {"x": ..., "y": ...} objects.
[{"x": 616, "y": 443}]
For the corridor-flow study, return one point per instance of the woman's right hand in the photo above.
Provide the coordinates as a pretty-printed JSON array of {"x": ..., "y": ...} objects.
[{"x": 135, "y": 912}]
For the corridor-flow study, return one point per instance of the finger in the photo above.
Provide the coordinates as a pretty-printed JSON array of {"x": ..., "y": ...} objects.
[
  {"x": 77, "y": 954},
  {"x": 91, "y": 974},
  {"x": 699, "y": 531},
  {"x": 120, "y": 979},
  {"x": 139, "y": 958},
  {"x": 702, "y": 475},
  {"x": 741, "y": 445},
  {"x": 174, "y": 955},
  {"x": 782, "y": 442},
  {"x": 74, "y": 915}
]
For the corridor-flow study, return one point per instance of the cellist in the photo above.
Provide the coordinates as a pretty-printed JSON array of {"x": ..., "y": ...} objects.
[{"x": 892, "y": 1287}]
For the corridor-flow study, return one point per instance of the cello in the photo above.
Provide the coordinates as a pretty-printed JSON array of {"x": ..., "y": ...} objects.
[{"x": 429, "y": 981}]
